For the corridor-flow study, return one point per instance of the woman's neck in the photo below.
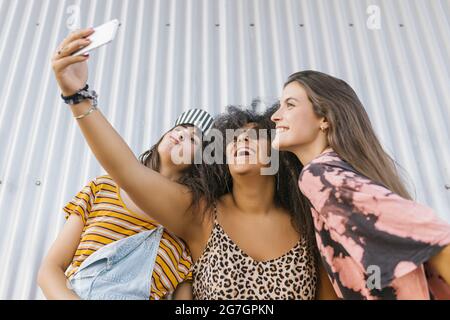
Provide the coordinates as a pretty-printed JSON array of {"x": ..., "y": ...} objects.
[
  {"x": 255, "y": 194},
  {"x": 307, "y": 153},
  {"x": 169, "y": 172}
]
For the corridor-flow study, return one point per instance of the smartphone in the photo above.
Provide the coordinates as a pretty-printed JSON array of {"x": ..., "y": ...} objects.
[{"x": 102, "y": 35}]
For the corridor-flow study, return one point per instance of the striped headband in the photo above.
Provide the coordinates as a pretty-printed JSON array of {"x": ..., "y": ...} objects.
[{"x": 197, "y": 117}]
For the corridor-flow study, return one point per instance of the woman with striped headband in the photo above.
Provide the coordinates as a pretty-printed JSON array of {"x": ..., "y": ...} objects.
[{"x": 105, "y": 230}]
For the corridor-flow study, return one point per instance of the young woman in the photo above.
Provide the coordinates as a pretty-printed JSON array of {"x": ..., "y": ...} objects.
[
  {"x": 256, "y": 243},
  {"x": 373, "y": 239},
  {"x": 246, "y": 245},
  {"x": 102, "y": 220}
]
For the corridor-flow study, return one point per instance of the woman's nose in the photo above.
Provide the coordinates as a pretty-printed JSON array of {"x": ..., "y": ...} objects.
[
  {"x": 243, "y": 137},
  {"x": 276, "y": 116}
]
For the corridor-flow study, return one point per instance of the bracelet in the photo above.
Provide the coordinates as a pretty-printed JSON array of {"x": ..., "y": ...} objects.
[
  {"x": 76, "y": 94},
  {"x": 91, "y": 109},
  {"x": 80, "y": 96}
]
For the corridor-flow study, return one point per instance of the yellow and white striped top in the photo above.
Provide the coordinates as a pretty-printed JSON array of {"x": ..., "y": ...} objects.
[{"x": 106, "y": 219}]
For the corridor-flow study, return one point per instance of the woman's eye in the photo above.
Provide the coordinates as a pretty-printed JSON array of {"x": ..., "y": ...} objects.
[{"x": 290, "y": 105}]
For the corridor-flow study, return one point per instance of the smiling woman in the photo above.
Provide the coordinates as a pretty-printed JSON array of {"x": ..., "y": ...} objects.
[
  {"x": 364, "y": 216},
  {"x": 102, "y": 221},
  {"x": 248, "y": 147},
  {"x": 259, "y": 228}
]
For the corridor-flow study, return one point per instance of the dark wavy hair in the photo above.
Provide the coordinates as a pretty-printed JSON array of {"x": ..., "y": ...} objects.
[{"x": 287, "y": 195}]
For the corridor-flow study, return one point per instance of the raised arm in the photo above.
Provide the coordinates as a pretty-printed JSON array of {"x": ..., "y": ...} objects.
[{"x": 166, "y": 201}]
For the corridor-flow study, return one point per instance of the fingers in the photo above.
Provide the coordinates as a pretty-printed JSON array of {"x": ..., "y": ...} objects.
[
  {"x": 62, "y": 63},
  {"x": 63, "y": 49},
  {"x": 73, "y": 47},
  {"x": 82, "y": 33}
]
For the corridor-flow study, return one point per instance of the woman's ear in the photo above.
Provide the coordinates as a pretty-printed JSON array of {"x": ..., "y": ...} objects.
[{"x": 324, "y": 124}]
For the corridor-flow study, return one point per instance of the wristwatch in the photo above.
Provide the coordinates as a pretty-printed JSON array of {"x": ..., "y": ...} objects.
[{"x": 80, "y": 96}]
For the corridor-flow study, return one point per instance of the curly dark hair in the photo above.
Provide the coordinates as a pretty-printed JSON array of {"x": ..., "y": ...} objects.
[{"x": 287, "y": 195}]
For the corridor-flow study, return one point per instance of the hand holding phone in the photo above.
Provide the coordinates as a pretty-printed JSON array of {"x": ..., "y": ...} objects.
[
  {"x": 102, "y": 35},
  {"x": 69, "y": 62}
]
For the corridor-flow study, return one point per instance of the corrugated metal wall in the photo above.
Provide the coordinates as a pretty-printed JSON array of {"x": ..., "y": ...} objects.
[{"x": 170, "y": 55}]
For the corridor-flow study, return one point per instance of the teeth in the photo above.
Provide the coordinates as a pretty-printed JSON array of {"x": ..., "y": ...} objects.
[
  {"x": 279, "y": 130},
  {"x": 243, "y": 152}
]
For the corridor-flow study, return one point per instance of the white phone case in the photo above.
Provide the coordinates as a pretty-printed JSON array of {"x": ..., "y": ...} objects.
[{"x": 103, "y": 34}]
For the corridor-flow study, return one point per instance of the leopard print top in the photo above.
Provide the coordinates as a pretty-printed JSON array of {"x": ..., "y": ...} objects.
[{"x": 224, "y": 271}]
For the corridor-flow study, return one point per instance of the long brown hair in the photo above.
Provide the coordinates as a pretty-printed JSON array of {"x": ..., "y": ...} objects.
[{"x": 350, "y": 132}]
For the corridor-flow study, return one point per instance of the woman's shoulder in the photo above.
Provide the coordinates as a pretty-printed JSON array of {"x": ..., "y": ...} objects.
[
  {"x": 328, "y": 162},
  {"x": 105, "y": 181},
  {"x": 329, "y": 171},
  {"x": 328, "y": 157}
]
